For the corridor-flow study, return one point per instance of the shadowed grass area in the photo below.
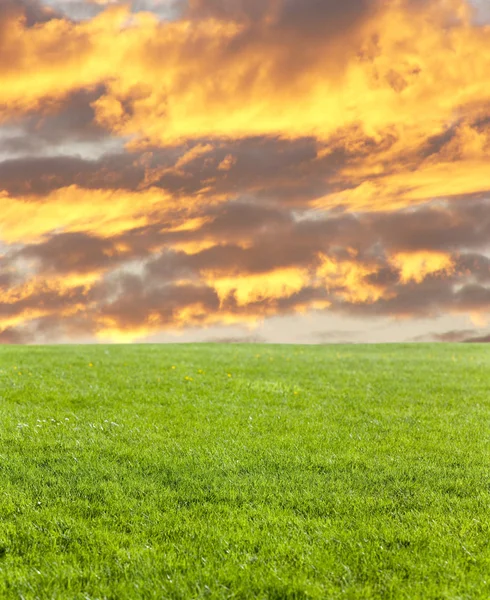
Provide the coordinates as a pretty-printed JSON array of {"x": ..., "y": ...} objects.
[{"x": 245, "y": 472}]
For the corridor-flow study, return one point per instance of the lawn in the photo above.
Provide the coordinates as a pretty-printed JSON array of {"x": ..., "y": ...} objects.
[{"x": 245, "y": 472}]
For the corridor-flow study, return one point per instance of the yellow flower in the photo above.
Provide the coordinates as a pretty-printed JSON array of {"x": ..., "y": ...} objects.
[
  {"x": 90, "y": 364},
  {"x": 229, "y": 374},
  {"x": 173, "y": 366},
  {"x": 189, "y": 378}
]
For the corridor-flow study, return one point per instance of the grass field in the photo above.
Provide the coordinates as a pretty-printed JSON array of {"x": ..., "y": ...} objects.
[{"x": 243, "y": 472}]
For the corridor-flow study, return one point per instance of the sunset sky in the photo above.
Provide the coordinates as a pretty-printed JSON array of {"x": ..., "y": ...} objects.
[{"x": 305, "y": 171}]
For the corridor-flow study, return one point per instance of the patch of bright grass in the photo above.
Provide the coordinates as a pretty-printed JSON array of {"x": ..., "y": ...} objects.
[{"x": 243, "y": 472}]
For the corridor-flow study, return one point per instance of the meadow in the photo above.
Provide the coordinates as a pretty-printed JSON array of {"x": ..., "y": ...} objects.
[{"x": 245, "y": 472}]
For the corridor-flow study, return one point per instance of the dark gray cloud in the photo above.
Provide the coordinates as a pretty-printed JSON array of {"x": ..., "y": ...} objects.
[
  {"x": 290, "y": 17},
  {"x": 12, "y": 335},
  {"x": 226, "y": 9},
  {"x": 453, "y": 336},
  {"x": 484, "y": 339},
  {"x": 41, "y": 175},
  {"x": 432, "y": 298},
  {"x": 263, "y": 257},
  {"x": 70, "y": 253},
  {"x": 259, "y": 166},
  {"x": 7, "y": 277},
  {"x": 460, "y": 224},
  {"x": 32, "y": 11},
  {"x": 160, "y": 300},
  {"x": 52, "y": 127},
  {"x": 322, "y": 17}
]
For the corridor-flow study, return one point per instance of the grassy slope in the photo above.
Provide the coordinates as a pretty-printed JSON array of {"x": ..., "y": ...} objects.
[{"x": 311, "y": 472}]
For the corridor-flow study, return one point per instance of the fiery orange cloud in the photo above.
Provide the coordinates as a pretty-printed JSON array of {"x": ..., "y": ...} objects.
[
  {"x": 35, "y": 285},
  {"x": 409, "y": 188},
  {"x": 222, "y": 212},
  {"x": 406, "y": 71},
  {"x": 351, "y": 279},
  {"x": 252, "y": 288},
  {"x": 192, "y": 154},
  {"x": 417, "y": 265},
  {"x": 22, "y": 318},
  {"x": 397, "y": 73},
  {"x": 69, "y": 292},
  {"x": 181, "y": 83},
  {"x": 104, "y": 212},
  {"x": 396, "y": 177},
  {"x": 227, "y": 163}
]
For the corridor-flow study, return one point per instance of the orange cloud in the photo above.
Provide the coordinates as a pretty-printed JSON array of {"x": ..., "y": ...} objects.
[
  {"x": 395, "y": 98},
  {"x": 351, "y": 280},
  {"x": 250, "y": 288},
  {"x": 227, "y": 163},
  {"x": 409, "y": 188},
  {"x": 182, "y": 81},
  {"x": 104, "y": 212},
  {"x": 405, "y": 71},
  {"x": 59, "y": 296},
  {"x": 416, "y": 266},
  {"x": 35, "y": 285},
  {"x": 397, "y": 73}
]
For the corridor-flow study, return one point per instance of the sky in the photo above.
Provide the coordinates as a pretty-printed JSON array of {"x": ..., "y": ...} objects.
[{"x": 288, "y": 171}]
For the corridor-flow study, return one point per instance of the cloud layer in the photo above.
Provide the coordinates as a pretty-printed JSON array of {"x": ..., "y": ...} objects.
[{"x": 178, "y": 165}]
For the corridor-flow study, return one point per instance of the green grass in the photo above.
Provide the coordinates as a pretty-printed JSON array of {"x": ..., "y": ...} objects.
[{"x": 310, "y": 472}]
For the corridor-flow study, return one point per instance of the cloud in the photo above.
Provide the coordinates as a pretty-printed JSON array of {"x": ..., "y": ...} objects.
[
  {"x": 13, "y": 336},
  {"x": 240, "y": 263},
  {"x": 241, "y": 161},
  {"x": 263, "y": 75},
  {"x": 30, "y": 12},
  {"x": 277, "y": 170},
  {"x": 485, "y": 339},
  {"x": 122, "y": 211},
  {"x": 454, "y": 336},
  {"x": 245, "y": 339}
]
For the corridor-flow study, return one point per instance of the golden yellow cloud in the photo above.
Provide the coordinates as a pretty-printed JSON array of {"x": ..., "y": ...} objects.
[
  {"x": 413, "y": 79},
  {"x": 350, "y": 278},
  {"x": 416, "y": 266},
  {"x": 249, "y": 288},
  {"x": 68, "y": 297},
  {"x": 403, "y": 93},
  {"x": 407, "y": 72},
  {"x": 404, "y": 68},
  {"x": 102, "y": 212}
]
